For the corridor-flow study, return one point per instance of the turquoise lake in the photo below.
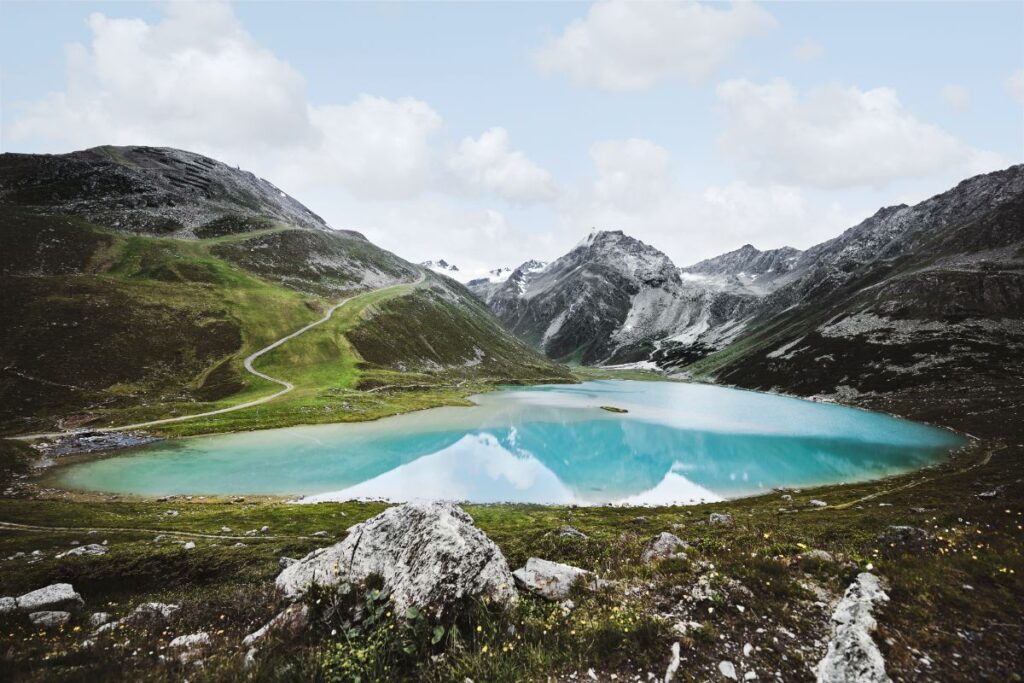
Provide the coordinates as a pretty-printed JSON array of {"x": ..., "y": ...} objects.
[{"x": 679, "y": 443}]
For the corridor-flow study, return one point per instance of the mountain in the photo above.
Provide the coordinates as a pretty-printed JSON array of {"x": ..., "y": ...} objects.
[
  {"x": 137, "y": 279},
  {"x": 441, "y": 266},
  {"x": 912, "y": 295},
  {"x": 931, "y": 294}
]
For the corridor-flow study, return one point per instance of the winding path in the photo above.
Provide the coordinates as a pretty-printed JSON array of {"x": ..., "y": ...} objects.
[{"x": 288, "y": 386}]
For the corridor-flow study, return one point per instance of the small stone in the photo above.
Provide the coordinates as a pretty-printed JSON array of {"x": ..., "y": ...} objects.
[
  {"x": 570, "y": 532},
  {"x": 321, "y": 534},
  {"x": 750, "y": 676},
  {"x": 264, "y": 529},
  {"x": 747, "y": 649},
  {"x": 190, "y": 641},
  {"x": 720, "y": 518},
  {"x": 663, "y": 546},
  {"x": 49, "y": 620},
  {"x": 290, "y": 623},
  {"x": 225, "y": 530},
  {"x": 814, "y": 503},
  {"x": 552, "y": 580},
  {"x": 189, "y": 546},
  {"x": 91, "y": 549},
  {"x": 99, "y": 618},
  {"x": 819, "y": 555},
  {"x": 786, "y": 497},
  {"x": 171, "y": 513},
  {"x": 727, "y": 669}
]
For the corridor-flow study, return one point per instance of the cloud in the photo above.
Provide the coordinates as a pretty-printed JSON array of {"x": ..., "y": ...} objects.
[
  {"x": 956, "y": 96},
  {"x": 197, "y": 80},
  {"x": 624, "y": 46},
  {"x": 808, "y": 51},
  {"x": 635, "y": 189},
  {"x": 1015, "y": 85},
  {"x": 489, "y": 164},
  {"x": 836, "y": 136}
]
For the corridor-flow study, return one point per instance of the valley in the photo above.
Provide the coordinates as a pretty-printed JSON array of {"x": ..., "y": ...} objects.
[{"x": 161, "y": 292}]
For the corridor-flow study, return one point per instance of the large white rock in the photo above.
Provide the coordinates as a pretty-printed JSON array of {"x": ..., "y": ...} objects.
[
  {"x": 853, "y": 656},
  {"x": 58, "y": 596},
  {"x": 552, "y": 580},
  {"x": 428, "y": 554}
]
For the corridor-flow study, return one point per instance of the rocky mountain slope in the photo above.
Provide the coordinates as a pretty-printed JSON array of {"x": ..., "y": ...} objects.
[
  {"x": 142, "y": 277},
  {"x": 908, "y": 296}
]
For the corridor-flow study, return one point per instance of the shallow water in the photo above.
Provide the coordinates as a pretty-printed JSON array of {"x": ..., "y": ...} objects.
[{"x": 679, "y": 443}]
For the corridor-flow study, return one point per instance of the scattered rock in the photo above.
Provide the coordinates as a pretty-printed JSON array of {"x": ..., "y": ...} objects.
[
  {"x": 786, "y": 497},
  {"x": 190, "y": 641},
  {"x": 49, "y": 619},
  {"x": 158, "y": 611},
  {"x": 321, "y": 534},
  {"x": 727, "y": 669},
  {"x": 852, "y": 654},
  {"x": 189, "y": 546},
  {"x": 905, "y": 539},
  {"x": 427, "y": 554},
  {"x": 91, "y": 549},
  {"x": 171, "y": 513},
  {"x": 673, "y": 664},
  {"x": 663, "y": 546},
  {"x": 723, "y": 518},
  {"x": 994, "y": 493},
  {"x": 99, "y": 618},
  {"x": 264, "y": 529},
  {"x": 814, "y": 503},
  {"x": 552, "y": 580},
  {"x": 290, "y": 623},
  {"x": 570, "y": 532},
  {"x": 819, "y": 555},
  {"x": 58, "y": 596},
  {"x": 225, "y": 530}
]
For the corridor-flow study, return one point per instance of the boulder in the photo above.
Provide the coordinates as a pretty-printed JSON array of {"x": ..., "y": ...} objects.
[
  {"x": 289, "y": 624},
  {"x": 91, "y": 549},
  {"x": 428, "y": 555},
  {"x": 663, "y": 546},
  {"x": 552, "y": 580},
  {"x": 817, "y": 503},
  {"x": 49, "y": 619},
  {"x": 58, "y": 596},
  {"x": 147, "y": 611},
  {"x": 720, "y": 518},
  {"x": 852, "y": 654},
  {"x": 905, "y": 539},
  {"x": 190, "y": 641}
]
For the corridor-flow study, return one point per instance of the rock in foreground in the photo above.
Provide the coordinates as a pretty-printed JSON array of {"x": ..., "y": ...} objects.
[
  {"x": 852, "y": 654},
  {"x": 429, "y": 555},
  {"x": 56, "y": 597},
  {"x": 552, "y": 580}
]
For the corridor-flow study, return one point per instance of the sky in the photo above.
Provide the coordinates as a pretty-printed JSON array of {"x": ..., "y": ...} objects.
[{"x": 491, "y": 133}]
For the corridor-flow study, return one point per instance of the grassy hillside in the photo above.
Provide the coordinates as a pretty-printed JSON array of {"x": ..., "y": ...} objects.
[{"x": 106, "y": 328}]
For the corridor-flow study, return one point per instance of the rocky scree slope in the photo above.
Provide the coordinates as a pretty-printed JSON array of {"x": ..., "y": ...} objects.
[{"x": 143, "y": 276}]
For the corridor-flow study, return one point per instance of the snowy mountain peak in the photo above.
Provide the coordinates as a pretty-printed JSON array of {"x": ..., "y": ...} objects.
[{"x": 441, "y": 266}]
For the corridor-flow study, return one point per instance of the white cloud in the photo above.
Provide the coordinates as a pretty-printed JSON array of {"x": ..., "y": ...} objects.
[
  {"x": 808, "y": 51},
  {"x": 488, "y": 163},
  {"x": 956, "y": 96},
  {"x": 635, "y": 189},
  {"x": 1015, "y": 85},
  {"x": 197, "y": 80},
  {"x": 836, "y": 136},
  {"x": 622, "y": 45}
]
